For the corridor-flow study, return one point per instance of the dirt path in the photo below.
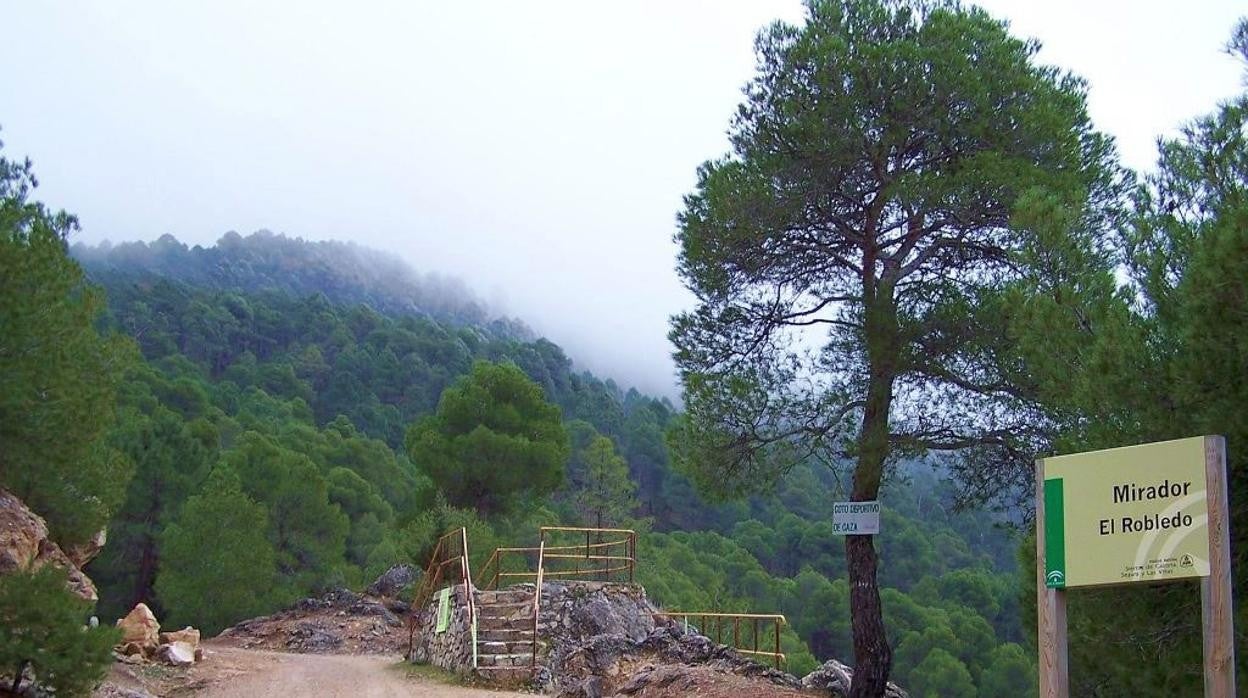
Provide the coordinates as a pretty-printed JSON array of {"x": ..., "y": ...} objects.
[
  {"x": 231, "y": 672},
  {"x": 333, "y": 676}
]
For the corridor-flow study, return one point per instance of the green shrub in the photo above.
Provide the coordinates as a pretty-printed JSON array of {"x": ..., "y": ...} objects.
[{"x": 42, "y": 626}]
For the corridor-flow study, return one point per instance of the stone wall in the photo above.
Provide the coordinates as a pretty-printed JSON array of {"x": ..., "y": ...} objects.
[{"x": 451, "y": 649}]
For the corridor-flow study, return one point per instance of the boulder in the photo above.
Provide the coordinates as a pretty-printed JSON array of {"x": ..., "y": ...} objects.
[
  {"x": 176, "y": 654},
  {"x": 140, "y": 627},
  {"x": 834, "y": 678},
  {"x": 24, "y": 544},
  {"x": 394, "y": 581},
  {"x": 188, "y": 635}
]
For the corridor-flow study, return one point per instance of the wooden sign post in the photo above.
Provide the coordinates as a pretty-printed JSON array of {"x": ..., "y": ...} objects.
[{"x": 1149, "y": 513}]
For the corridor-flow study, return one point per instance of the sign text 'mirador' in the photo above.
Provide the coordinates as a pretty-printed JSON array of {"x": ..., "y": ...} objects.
[{"x": 1132, "y": 492}]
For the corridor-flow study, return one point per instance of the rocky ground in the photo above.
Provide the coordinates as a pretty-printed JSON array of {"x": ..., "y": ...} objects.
[{"x": 340, "y": 622}]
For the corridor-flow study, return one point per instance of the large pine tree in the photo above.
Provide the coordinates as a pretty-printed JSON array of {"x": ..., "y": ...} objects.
[{"x": 843, "y": 253}]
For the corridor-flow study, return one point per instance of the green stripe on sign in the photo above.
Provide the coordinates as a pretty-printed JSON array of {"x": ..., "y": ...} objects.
[{"x": 1054, "y": 535}]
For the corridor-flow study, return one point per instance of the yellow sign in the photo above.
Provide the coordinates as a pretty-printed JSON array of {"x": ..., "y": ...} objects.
[{"x": 1123, "y": 515}]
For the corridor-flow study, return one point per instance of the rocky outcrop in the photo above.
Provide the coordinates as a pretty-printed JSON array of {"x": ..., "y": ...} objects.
[
  {"x": 24, "y": 544},
  {"x": 85, "y": 552},
  {"x": 576, "y": 611},
  {"x": 608, "y": 664},
  {"x": 834, "y": 677},
  {"x": 394, "y": 581},
  {"x": 603, "y": 639}
]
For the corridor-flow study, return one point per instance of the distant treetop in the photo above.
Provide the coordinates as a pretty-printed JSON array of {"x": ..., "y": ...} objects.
[{"x": 345, "y": 272}]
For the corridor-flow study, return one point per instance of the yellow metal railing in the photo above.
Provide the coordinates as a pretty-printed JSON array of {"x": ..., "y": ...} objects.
[
  {"x": 744, "y": 639},
  {"x": 450, "y": 557},
  {"x": 606, "y": 554}
]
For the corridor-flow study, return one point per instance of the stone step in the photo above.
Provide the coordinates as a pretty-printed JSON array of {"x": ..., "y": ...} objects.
[
  {"x": 505, "y": 610},
  {"x": 489, "y": 660},
  {"x": 505, "y": 646},
  {"x": 506, "y": 674},
  {"x": 484, "y": 623},
  {"x": 505, "y": 634},
  {"x": 504, "y": 596}
]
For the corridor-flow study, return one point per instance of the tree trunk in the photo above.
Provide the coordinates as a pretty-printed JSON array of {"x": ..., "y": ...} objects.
[
  {"x": 873, "y": 657},
  {"x": 145, "y": 578}
]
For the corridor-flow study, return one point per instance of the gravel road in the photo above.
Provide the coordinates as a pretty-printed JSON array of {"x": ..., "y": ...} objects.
[{"x": 258, "y": 674}]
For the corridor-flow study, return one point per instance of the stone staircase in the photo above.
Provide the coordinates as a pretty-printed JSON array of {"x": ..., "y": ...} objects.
[{"x": 505, "y": 635}]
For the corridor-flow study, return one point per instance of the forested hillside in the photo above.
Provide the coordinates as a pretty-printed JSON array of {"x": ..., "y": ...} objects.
[
  {"x": 313, "y": 415},
  {"x": 264, "y": 261}
]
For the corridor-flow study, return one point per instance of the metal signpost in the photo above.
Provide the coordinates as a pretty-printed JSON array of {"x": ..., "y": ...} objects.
[{"x": 1150, "y": 513}]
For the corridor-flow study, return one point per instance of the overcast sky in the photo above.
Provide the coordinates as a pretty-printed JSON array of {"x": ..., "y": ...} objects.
[{"x": 539, "y": 150}]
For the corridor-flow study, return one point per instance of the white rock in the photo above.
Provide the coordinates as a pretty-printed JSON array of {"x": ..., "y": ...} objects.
[{"x": 176, "y": 653}]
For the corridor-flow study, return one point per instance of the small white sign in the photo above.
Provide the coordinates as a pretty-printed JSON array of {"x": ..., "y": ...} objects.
[{"x": 856, "y": 518}]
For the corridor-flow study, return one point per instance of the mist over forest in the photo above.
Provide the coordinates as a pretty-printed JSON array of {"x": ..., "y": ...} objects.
[{"x": 347, "y": 272}]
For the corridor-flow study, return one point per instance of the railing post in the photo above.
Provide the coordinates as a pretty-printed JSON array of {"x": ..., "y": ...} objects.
[
  {"x": 776, "y": 659},
  {"x": 632, "y": 565},
  {"x": 537, "y": 597}
]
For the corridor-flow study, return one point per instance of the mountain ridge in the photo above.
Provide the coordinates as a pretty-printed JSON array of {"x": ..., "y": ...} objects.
[{"x": 346, "y": 272}]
